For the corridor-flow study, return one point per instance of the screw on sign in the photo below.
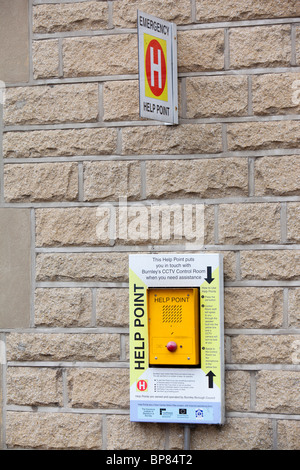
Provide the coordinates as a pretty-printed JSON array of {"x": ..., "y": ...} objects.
[
  {"x": 142, "y": 385},
  {"x": 156, "y": 68}
]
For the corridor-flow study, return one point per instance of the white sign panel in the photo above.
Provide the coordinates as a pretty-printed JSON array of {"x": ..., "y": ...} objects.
[
  {"x": 157, "y": 41},
  {"x": 184, "y": 394}
]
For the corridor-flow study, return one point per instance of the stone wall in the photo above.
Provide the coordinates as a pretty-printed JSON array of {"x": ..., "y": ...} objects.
[{"x": 73, "y": 147}]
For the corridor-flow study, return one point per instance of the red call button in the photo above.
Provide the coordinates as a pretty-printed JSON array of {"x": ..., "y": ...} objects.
[{"x": 171, "y": 346}]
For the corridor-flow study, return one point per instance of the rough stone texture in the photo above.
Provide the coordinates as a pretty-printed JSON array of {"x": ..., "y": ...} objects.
[
  {"x": 82, "y": 267},
  {"x": 263, "y": 135},
  {"x": 51, "y": 104},
  {"x": 121, "y": 100},
  {"x": 124, "y": 13},
  {"x": 236, "y": 434},
  {"x": 294, "y": 308},
  {"x": 288, "y": 432},
  {"x": 249, "y": 223},
  {"x": 253, "y": 307},
  {"x": 262, "y": 349},
  {"x": 112, "y": 307},
  {"x": 277, "y": 176},
  {"x": 59, "y": 143},
  {"x": 125, "y": 435},
  {"x": 260, "y": 46},
  {"x": 278, "y": 391},
  {"x": 34, "y": 386},
  {"x": 270, "y": 264},
  {"x": 100, "y": 55},
  {"x": 164, "y": 223},
  {"x": 216, "y": 96},
  {"x": 53, "y": 431},
  {"x": 99, "y": 388},
  {"x": 45, "y": 57},
  {"x": 232, "y": 10},
  {"x": 63, "y": 347},
  {"x": 41, "y": 182},
  {"x": 237, "y": 389},
  {"x": 72, "y": 226},
  {"x": 298, "y": 45},
  {"x": 80, "y": 16},
  {"x": 111, "y": 180},
  {"x": 176, "y": 437},
  {"x": 200, "y": 50},
  {"x": 63, "y": 307},
  {"x": 275, "y": 94},
  {"x": 229, "y": 264},
  {"x": 293, "y": 222},
  {"x": 204, "y": 178},
  {"x": 183, "y": 139}
]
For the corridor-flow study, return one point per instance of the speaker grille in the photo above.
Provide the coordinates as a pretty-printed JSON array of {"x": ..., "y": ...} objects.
[{"x": 172, "y": 314}]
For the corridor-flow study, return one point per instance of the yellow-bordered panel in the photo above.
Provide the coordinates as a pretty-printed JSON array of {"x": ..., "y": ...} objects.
[{"x": 174, "y": 330}]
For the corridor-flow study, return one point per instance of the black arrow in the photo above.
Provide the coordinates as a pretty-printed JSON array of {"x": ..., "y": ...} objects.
[
  {"x": 209, "y": 279},
  {"x": 210, "y": 376}
]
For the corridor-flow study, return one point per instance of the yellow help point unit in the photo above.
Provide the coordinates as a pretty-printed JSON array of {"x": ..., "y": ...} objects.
[{"x": 173, "y": 316}]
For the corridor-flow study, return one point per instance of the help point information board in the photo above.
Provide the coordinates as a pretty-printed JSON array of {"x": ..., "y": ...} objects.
[
  {"x": 177, "y": 394},
  {"x": 157, "y": 44}
]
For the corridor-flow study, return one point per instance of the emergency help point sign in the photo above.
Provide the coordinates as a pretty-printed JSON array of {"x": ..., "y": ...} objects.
[{"x": 157, "y": 40}]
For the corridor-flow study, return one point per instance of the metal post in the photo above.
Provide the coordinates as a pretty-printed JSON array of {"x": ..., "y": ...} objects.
[{"x": 186, "y": 437}]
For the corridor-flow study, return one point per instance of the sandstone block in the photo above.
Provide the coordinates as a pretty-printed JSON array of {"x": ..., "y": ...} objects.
[
  {"x": 51, "y": 104},
  {"x": 124, "y": 14},
  {"x": 278, "y": 391},
  {"x": 82, "y": 267},
  {"x": 293, "y": 222},
  {"x": 237, "y": 389},
  {"x": 45, "y": 58},
  {"x": 206, "y": 178},
  {"x": 100, "y": 55},
  {"x": 34, "y": 386},
  {"x": 200, "y": 50},
  {"x": 112, "y": 307},
  {"x": 288, "y": 432},
  {"x": 298, "y": 45},
  {"x": 236, "y": 434},
  {"x": 59, "y": 143},
  {"x": 110, "y": 180},
  {"x": 41, "y": 182},
  {"x": 260, "y": 46},
  {"x": 262, "y": 349},
  {"x": 249, "y": 223},
  {"x": 63, "y": 347},
  {"x": 294, "y": 302},
  {"x": 72, "y": 226},
  {"x": 82, "y": 16},
  {"x": 263, "y": 135},
  {"x": 123, "y": 434},
  {"x": 99, "y": 388},
  {"x": 183, "y": 139},
  {"x": 60, "y": 307},
  {"x": 216, "y": 96},
  {"x": 236, "y": 10},
  {"x": 253, "y": 307},
  {"x": 278, "y": 176},
  {"x": 121, "y": 100},
  {"x": 53, "y": 431},
  {"x": 275, "y": 93},
  {"x": 270, "y": 264}
]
